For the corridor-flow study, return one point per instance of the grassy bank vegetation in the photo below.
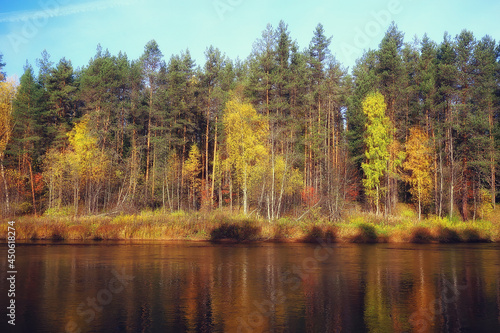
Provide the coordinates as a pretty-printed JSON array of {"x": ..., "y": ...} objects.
[{"x": 356, "y": 227}]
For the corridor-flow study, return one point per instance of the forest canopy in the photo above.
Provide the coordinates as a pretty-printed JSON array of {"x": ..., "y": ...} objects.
[{"x": 282, "y": 132}]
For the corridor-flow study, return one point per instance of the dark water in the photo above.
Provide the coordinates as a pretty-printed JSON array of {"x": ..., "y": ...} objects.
[{"x": 203, "y": 287}]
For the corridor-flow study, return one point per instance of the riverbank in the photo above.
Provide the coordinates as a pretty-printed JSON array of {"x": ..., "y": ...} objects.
[{"x": 223, "y": 226}]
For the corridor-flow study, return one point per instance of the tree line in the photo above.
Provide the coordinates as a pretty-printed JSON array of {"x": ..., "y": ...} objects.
[{"x": 284, "y": 132}]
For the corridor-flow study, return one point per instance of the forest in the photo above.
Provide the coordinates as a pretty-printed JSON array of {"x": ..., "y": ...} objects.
[{"x": 283, "y": 132}]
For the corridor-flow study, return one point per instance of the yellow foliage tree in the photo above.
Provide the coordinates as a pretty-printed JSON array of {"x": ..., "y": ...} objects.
[
  {"x": 89, "y": 165},
  {"x": 377, "y": 140},
  {"x": 246, "y": 134},
  {"x": 55, "y": 166},
  {"x": 191, "y": 170},
  {"x": 7, "y": 93},
  {"x": 283, "y": 180},
  {"x": 417, "y": 167}
]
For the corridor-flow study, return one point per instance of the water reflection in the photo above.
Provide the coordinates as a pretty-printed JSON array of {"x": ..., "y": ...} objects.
[{"x": 200, "y": 287}]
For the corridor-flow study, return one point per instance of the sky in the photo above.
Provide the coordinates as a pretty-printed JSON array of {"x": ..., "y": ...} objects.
[{"x": 74, "y": 28}]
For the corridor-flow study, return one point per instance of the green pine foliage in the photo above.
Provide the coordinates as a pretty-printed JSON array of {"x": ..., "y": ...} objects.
[{"x": 323, "y": 154}]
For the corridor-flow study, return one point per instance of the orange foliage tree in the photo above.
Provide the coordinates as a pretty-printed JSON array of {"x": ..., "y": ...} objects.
[{"x": 417, "y": 167}]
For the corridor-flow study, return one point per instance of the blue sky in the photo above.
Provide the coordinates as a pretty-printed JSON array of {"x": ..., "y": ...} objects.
[{"x": 73, "y": 28}]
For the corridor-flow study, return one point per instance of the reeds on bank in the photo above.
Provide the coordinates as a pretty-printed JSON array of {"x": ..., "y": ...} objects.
[{"x": 356, "y": 227}]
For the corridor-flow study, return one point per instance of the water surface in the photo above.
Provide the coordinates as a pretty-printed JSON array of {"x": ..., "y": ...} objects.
[{"x": 262, "y": 287}]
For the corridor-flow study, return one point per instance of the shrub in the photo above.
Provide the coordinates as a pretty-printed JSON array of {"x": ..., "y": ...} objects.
[
  {"x": 366, "y": 234},
  {"x": 420, "y": 235},
  {"x": 60, "y": 212},
  {"x": 235, "y": 231},
  {"x": 470, "y": 235},
  {"x": 447, "y": 235},
  {"x": 318, "y": 234}
]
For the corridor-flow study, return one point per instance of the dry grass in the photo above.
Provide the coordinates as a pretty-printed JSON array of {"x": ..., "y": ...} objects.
[{"x": 358, "y": 227}]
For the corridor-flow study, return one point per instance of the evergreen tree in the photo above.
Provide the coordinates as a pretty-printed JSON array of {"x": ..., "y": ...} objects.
[
  {"x": 45, "y": 67},
  {"x": 364, "y": 82},
  {"x": 151, "y": 62},
  {"x": 2, "y": 65},
  {"x": 98, "y": 90},
  {"x": 469, "y": 126},
  {"x": 28, "y": 130},
  {"x": 433, "y": 119},
  {"x": 61, "y": 111},
  {"x": 319, "y": 50},
  {"x": 213, "y": 96},
  {"x": 446, "y": 84},
  {"x": 316, "y": 133},
  {"x": 262, "y": 64},
  {"x": 390, "y": 69},
  {"x": 485, "y": 85}
]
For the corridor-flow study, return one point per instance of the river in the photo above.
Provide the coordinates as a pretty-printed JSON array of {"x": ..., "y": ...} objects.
[{"x": 254, "y": 287}]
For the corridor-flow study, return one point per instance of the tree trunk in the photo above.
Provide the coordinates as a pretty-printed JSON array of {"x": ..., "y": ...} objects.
[
  {"x": 245, "y": 191},
  {"x": 436, "y": 194},
  {"x": 492, "y": 159},
  {"x": 231, "y": 192},
  {"x": 148, "y": 138},
  {"x": 32, "y": 187},
  {"x": 441, "y": 185},
  {"x": 214, "y": 167},
  {"x": 207, "y": 132},
  {"x": 7, "y": 202},
  {"x": 419, "y": 202},
  {"x": 465, "y": 196},
  {"x": 153, "y": 172}
]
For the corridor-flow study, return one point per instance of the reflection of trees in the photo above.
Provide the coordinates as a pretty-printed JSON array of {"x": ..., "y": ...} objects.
[{"x": 207, "y": 288}]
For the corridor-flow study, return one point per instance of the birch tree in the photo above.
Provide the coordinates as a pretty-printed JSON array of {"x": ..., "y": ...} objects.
[
  {"x": 377, "y": 140},
  {"x": 246, "y": 134}
]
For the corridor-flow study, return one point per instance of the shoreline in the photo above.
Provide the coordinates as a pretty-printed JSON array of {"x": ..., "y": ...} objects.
[{"x": 218, "y": 227}]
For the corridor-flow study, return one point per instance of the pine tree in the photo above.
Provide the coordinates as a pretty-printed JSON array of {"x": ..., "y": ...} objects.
[
  {"x": 316, "y": 135},
  {"x": 427, "y": 94},
  {"x": 364, "y": 81},
  {"x": 468, "y": 126},
  {"x": 28, "y": 131},
  {"x": 99, "y": 91},
  {"x": 390, "y": 69},
  {"x": 446, "y": 84},
  {"x": 2, "y": 65},
  {"x": 62, "y": 111},
  {"x": 319, "y": 50},
  {"x": 262, "y": 64},
  {"x": 214, "y": 96},
  {"x": 485, "y": 85},
  {"x": 151, "y": 62}
]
